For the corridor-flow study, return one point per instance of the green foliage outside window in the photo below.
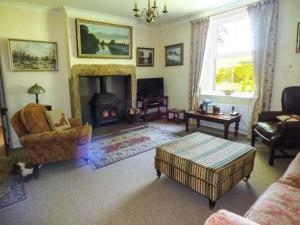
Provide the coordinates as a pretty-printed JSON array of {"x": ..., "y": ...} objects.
[{"x": 238, "y": 77}]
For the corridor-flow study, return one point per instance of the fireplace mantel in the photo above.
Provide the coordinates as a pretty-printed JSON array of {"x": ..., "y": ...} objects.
[{"x": 98, "y": 70}]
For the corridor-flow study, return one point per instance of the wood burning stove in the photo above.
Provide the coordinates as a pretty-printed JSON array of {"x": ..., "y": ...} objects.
[{"x": 105, "y": 106}]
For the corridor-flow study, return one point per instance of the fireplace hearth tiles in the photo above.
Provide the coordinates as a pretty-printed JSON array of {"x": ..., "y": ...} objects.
[{"x": 97, "y": 71}]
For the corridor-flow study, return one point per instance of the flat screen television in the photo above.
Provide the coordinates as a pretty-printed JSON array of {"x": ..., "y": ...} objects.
[{"x": 150, "y": 87}]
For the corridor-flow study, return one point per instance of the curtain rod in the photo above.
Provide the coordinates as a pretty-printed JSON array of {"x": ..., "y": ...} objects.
[{"x": 226, "y": 11}]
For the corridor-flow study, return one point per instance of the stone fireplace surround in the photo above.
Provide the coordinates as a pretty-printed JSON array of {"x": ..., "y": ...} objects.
[{"x": 97, "y": 70}]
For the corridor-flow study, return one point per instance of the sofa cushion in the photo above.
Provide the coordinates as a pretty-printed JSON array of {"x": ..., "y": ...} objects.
[
  {"x": 224, "y": 217},
  {"x": 292, "y": 174},
  {"x": 34, "y": 119},
  {"x": 57, "y": 120},
  {"x": 279, "y": 205}
]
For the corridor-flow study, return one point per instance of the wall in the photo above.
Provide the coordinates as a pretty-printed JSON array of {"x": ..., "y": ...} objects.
[
  {"x": 287, "y": 70},
  {"x": 176, "y": 77},
  {"x": 33, "y": 24},
  {"x": 36, "y": 23}
]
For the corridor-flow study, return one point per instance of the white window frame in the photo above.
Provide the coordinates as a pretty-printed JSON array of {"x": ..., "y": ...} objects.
[{"x": 208, "y": 76}]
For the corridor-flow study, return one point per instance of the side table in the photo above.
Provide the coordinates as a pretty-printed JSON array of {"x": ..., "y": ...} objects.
[{"x": 176, "y": 113}]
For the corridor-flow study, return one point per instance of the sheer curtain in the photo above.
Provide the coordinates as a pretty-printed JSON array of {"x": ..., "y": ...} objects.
[
  {"x": 264, "y": 20},
  {"x": 198, "y": 42}
]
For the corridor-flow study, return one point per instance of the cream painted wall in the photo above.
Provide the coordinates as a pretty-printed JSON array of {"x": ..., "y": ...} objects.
[
  {"x": 27, "y": 23},
  {"x": 33, "y": 25},
  {"x": 148, "y": 37},
  {"x": 287, "y": 71},
  {"x": 176, "y": 77}
]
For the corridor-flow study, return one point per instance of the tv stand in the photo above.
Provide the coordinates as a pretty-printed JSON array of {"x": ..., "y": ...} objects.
[{"x": 146, "y": 103}]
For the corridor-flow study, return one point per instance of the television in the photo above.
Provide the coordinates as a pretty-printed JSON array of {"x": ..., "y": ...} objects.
[{"x": 150, "y": 87}]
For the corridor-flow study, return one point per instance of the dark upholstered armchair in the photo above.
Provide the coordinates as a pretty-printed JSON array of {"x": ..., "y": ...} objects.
[{"x": 280, "y": 136}]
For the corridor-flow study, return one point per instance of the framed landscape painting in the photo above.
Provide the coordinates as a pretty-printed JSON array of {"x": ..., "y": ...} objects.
[
  {"x": 298, "y": 39},
  {"x": 174, "y": 55},
  {"x": 145, "y": 57},
  {"x": 27, "y": 55},
  {"x": 103, "y": 40}
]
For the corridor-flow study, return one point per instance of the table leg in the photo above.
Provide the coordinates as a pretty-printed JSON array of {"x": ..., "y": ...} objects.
[
  {"x": 168, "y": 118},
  {"x": 236, "y": 128},
  {"x": 186, "y": 119},
  {"x": 226, "y": 130},
  {"x": 198, "y": 123}
]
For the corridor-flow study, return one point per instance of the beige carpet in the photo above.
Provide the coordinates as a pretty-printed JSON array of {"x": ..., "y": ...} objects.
[{"x": 128, "y": 192}]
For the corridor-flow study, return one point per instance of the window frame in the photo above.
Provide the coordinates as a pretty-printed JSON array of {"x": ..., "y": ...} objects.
[{"x": 211, "y": 55}]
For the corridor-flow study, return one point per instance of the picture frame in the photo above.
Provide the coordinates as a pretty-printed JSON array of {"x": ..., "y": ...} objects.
[
  {"x": 174, "y": 55},
  {"x": 32, "y": 55},
  {"x": 144, "y": 56},
  {"x": 97, "y": 39},
  {"x": 298, "y": 39}
]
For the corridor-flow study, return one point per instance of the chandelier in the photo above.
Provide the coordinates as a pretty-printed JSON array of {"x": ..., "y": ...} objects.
[{"x": 150, "y": 13}]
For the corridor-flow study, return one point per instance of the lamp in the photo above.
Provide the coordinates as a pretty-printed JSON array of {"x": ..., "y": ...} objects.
[{"x": 36, "y": 90}]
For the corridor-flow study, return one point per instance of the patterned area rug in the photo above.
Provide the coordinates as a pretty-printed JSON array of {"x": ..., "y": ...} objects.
[
  {"x": 111, "y": 148},
  {"x": 11, "y": 191}
]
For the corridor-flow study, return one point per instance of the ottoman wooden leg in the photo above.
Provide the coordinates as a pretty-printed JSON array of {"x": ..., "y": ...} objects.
[
  {"x": 246, "y": 178},
  {"x": 212, "y": 204},
  {"x": 158, "y": 173}
]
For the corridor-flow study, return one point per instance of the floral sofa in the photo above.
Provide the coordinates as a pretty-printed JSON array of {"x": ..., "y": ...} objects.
[{"x": 279, "y": 205}]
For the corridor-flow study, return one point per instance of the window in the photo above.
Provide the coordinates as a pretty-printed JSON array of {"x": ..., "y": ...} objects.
[{"x": 228, "y": 58}]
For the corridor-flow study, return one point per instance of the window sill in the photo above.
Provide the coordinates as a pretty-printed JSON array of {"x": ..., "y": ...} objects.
[{"x": 220, "y": 94}]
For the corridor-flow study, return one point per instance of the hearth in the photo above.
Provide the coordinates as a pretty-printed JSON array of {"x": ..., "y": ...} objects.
[{"x": 105, "y": 106}]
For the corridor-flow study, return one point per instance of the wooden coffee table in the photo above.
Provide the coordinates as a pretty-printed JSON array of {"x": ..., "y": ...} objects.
[{"x": 224, "y": 119}]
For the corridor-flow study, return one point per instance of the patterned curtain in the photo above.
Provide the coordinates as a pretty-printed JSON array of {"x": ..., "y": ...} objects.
[
  {"x": 198, "y": 42},
  {"x": 264, "y": 19}
]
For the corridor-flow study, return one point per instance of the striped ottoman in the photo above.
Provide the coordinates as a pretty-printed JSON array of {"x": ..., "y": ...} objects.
[{"x": 206, "y": 164}]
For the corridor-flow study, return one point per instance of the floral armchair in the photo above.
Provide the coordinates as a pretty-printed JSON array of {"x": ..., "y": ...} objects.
[{"x": 45, "y": 145}]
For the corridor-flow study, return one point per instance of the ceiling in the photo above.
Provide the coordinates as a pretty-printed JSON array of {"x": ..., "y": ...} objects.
[{"x": 177, "y": 8}]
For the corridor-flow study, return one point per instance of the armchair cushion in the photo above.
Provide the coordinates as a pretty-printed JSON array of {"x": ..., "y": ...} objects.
[
  {"x": 267, "y": 129},
  {"x": 34, "y": 119},
  {"x": 289, "y": 118},
  {"x": 57, "y": 120},
  {"x": 224, "y": 217}
]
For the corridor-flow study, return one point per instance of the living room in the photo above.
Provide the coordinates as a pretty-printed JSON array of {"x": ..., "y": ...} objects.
[{"x": 123, "y": 188}]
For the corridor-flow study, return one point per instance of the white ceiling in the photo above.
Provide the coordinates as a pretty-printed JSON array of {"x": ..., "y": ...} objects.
[{"x": 123, "y": 8}]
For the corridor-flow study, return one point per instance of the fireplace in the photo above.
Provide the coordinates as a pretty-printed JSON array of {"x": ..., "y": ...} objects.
[
  {"x": 105, "y": 106},
  {"x": 89, "y": 75}
]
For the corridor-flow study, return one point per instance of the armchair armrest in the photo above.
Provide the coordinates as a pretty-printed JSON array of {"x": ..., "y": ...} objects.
[
  {"x": 75, "y": 122},
  {"x": 269, "y": 116},
  {"x": 49, "y": 136},
  {"x": 84, "y": 134},
  {"x": 225, "y": 217}
]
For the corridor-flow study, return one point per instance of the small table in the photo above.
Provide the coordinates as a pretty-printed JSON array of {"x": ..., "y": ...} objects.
[
  {"x": 224, "y": 119},
  {"x": 175, "y": 113}
]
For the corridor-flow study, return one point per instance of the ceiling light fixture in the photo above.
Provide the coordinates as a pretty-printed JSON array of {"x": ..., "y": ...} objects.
[{"x": 150, "y": 13}]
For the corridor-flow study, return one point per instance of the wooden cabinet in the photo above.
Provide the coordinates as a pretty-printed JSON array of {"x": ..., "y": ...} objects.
[{"x": 153, "y": 107}]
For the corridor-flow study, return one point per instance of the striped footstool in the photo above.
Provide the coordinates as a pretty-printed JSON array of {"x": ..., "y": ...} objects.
[{"x": 206, "y": 164}]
